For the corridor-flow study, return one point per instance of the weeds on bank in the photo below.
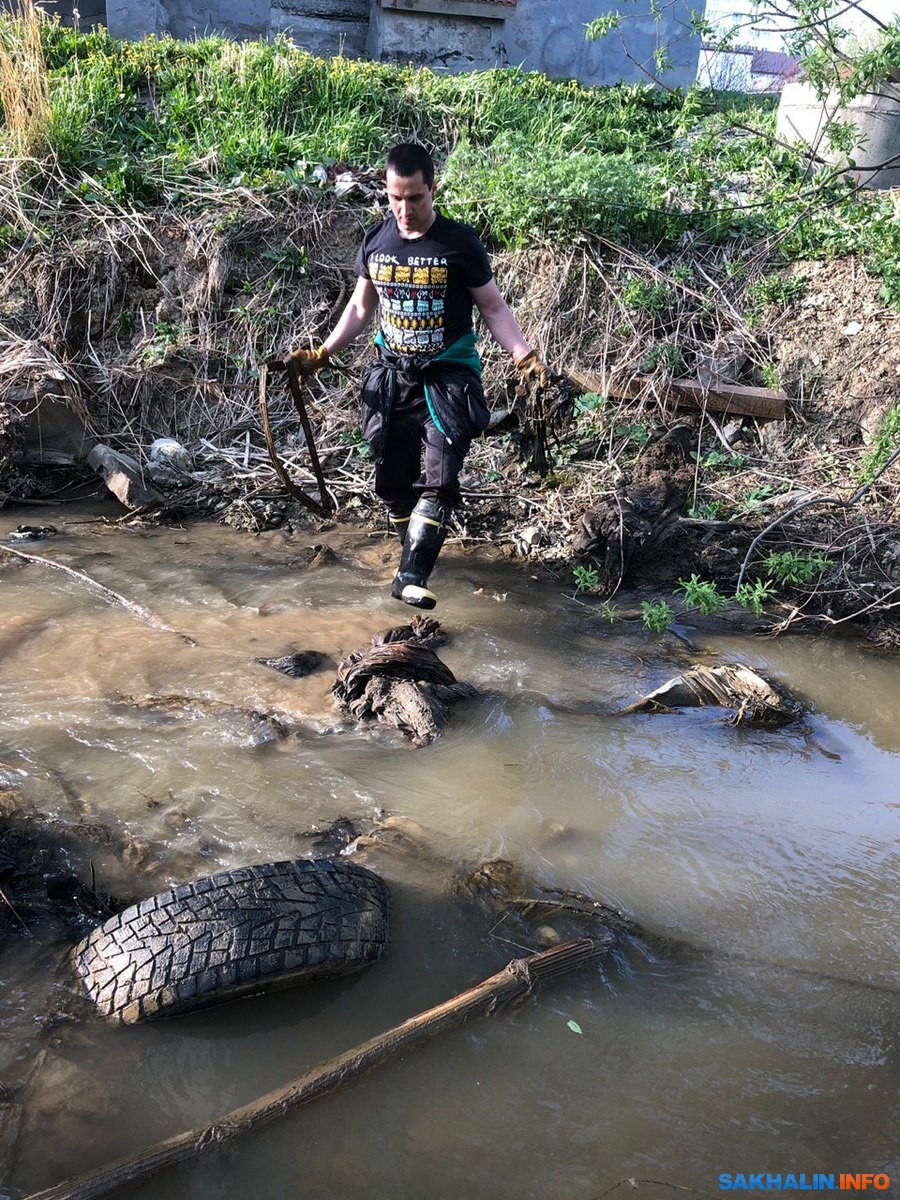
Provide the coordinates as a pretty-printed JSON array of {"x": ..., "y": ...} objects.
[
  {"x": 525, "y": 158},
  {"x": 24, "y": 90},
  {"x": 796, "y": 566},
  {"x": 885, "y": 443},
  {"x": 785, "y": 568}
]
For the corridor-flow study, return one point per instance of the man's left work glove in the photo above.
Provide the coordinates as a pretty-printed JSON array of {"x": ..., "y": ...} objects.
[
  {"x": 308, "y": 361},
  {"x": 533, "y": 370}
]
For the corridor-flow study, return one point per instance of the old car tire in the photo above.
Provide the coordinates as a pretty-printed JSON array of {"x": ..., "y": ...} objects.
[{"x": 238, "y": 932}]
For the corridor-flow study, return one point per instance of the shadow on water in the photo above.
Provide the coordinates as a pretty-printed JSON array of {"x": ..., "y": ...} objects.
[{"x": 766, "y": 1040}]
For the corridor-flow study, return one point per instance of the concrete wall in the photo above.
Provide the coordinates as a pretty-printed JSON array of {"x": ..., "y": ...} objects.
[
  {"x": 325, "y": 27},
  {"x": 537, "y": 35},
  {"x": 445, "y": 43},
  {"x": 545, "y": 35},
  {"x": 453, "y": 35}
]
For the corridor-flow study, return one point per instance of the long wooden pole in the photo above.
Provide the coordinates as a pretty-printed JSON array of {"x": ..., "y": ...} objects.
[{"x": 516, "y": 979}]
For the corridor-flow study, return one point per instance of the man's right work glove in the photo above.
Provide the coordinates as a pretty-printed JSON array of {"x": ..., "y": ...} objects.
[
  {"x": 308, "y": 361},
  {"x": 533, "y": 370}
]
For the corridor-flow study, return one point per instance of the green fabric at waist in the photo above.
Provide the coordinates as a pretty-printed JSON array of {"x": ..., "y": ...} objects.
[{"x": 461, "y": 353}]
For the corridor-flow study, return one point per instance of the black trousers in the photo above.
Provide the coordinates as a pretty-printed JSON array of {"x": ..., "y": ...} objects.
[{"x": 418, "y": 461}]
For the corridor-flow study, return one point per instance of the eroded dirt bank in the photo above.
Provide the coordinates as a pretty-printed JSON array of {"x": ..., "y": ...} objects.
[{"x": 153, "y": 325}]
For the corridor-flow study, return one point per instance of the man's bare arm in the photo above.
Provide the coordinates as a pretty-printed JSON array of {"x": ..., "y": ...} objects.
[
  {"x": 500, "y": 320},
  {"x": 355, "y": 317}
]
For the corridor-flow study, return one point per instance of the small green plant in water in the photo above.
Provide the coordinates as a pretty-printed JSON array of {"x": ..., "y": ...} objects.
[
  {"x": 609, "y": 611},
  {"x": 702, "y": 595},
  {"x": 796, "y": 566},
  {"x": 656, "y": 615},
  {"x": 586, "y": 578},
  {"x": 754, "y": 595}
]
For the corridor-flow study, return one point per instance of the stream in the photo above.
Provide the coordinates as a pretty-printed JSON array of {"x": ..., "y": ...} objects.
[{"x": 767, "y": 1043}]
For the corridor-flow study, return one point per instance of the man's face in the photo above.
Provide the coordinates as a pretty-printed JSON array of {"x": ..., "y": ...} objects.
[{"x": 412, "y": 203}]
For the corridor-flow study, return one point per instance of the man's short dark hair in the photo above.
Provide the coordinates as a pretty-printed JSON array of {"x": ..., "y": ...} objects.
[{"x": 408, "y": 159}]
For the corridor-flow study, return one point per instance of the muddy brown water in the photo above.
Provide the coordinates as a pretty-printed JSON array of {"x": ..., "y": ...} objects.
[{"x": 770, "y": 1047}]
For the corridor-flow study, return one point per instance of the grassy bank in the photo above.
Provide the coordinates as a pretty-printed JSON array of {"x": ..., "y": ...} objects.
[{"x": 525, "y": 157}]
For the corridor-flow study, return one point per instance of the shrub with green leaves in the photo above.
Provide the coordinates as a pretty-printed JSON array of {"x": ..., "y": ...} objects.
[
  {"x": 886, "y": 441},
  {"x": 520, "y": 196},
  {"x": 796, "y": 566},
  {"x": 702, "y": 595}
]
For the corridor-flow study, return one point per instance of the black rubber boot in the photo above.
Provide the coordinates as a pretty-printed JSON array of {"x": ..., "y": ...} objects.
[
  {"x": 424, "y": 537},
  {"x": 399, "y": 526}
]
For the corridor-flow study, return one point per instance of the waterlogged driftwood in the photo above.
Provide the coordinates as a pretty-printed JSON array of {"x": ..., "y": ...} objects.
[
  {"x": 399, "y": 681},
  {"x": 517, "y": 979},
  {"x": 765, "y": 404},
  {"x": 754, "y": 700}
]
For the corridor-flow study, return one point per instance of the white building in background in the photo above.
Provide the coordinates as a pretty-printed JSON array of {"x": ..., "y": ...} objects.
[{"x": 756, "y": 59}]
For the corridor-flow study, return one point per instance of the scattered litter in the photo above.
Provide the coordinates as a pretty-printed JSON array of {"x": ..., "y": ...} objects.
[{"x": 170, "y": 453}]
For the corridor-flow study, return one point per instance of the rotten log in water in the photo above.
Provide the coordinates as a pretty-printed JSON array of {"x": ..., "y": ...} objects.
[{"x": 754, "y": 700}]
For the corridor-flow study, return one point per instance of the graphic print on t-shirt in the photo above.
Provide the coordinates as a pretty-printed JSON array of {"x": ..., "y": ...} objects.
[
  {"x": 412, "y": 299},
  {"x": 424, "y": 285}
]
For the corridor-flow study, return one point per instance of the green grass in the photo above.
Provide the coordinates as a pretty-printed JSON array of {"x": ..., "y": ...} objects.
[{"x": 524, "y": 158}]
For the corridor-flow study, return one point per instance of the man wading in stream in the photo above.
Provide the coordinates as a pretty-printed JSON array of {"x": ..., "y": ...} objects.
[{"x": 422, "y": 400}]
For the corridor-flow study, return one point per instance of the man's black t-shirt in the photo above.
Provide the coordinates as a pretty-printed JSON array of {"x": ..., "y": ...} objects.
[{"x": 423, "y": 283}]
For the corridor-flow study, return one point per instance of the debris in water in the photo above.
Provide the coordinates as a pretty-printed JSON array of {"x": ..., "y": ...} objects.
[
  {"x": 32, "y": 533},
  {"x": 399, "y": 681},
  {"x": 297, "y": 665},
  {"x": 754, "y": 700}
]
